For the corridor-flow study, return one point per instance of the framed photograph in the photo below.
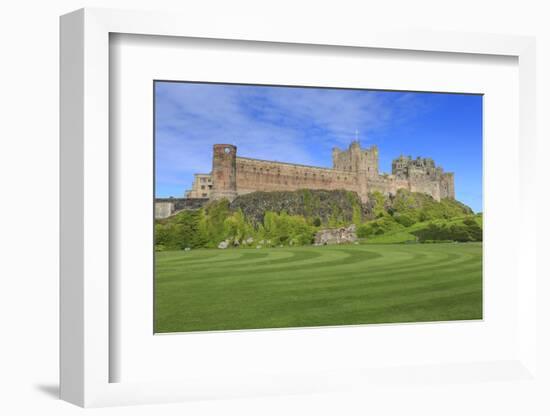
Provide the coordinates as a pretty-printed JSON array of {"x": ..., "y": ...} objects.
[
  {"x": 291, "y": 242},
  {"x": 274, "y": 212}
]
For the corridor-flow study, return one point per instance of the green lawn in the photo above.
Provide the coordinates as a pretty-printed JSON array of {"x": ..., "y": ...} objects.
[{"x": 214, "y": 289}]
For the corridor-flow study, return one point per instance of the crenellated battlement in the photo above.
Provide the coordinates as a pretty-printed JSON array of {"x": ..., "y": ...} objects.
[{"x": 356, "y": 159}]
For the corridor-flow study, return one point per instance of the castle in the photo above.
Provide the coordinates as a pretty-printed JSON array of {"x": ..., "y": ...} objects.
[{"x": 354, "y": 169}]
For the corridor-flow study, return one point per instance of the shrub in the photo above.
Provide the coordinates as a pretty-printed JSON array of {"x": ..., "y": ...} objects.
[
  {"x": 364, "y": 230},
  {"x": 464, "y": 231},
  {"x": 378, "y": 227},
  {"x": 405, "y": 220},
  {"x": 237, "y": 228},
  {"x": 285, "y": 229},
  {"x": 212, "y": 222},
  {"x": 183, "y": 230}
]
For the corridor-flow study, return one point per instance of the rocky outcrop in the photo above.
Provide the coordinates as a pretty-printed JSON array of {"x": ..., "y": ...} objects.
[
  {"x": 342, "y": 235},
  {"x": 319, "y": 205}
]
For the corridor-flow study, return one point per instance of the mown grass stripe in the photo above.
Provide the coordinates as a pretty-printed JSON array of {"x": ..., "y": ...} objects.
[
  {"x": 317, "y": 286},
  {"x": 312, "y": 275}
]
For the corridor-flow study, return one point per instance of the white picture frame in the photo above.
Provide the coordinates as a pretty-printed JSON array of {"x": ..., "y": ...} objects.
[{"x": 85, "y": 206}]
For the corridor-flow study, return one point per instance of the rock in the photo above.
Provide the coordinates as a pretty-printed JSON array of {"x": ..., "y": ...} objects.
[
  {"x": 258, "y": 246},
  {"x": 223, "y": 244},
  {"x": 249, "y": 240},
  {"x": 187, "y": 248},
  {"x": 314, "y": 203},
  {"x": 342, "y": 235}
]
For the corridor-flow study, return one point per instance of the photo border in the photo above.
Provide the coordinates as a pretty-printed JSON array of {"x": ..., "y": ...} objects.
[{"x": 84, "y": 156}]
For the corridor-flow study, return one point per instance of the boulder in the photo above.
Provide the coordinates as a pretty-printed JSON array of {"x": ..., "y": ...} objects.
[{"x": 223, "y": 244}]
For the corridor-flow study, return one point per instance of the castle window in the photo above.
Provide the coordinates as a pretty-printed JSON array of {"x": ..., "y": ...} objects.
[
  {"x": 204, "y": 195},
  {"x": 202, "y": 186}
]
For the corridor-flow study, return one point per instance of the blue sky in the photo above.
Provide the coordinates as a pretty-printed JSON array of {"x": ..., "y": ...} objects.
[{"x": 302, "y": 125}]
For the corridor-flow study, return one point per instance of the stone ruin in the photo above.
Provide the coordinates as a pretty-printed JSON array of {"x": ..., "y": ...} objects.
[{"x": 341, "y": 235}]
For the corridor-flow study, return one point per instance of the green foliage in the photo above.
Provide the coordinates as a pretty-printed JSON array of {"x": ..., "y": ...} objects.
[
  {"x": 236, "y": 228},
  {"x": 422, "y": 207},
  {"x": 336, "y": 218},
  {"x": 213, "y": 221},
  {"x": 377, "y": 202},
  {"x": 399, "y": 236},
  {"x": 466, "y": 230},
  {"x": 284, "y": 229},
  {"x": 182, "y": 231},
  {"x": 403, "y": 218},
  {"x": 363, "y": 231},
  {"x": 378, "y": 227},
  {"x": 357, "y": 214},
  {"x": 406, "y": 220}
]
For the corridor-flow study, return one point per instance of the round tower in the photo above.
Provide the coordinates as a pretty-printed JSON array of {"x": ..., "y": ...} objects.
[{"x": 224, "y": 172}]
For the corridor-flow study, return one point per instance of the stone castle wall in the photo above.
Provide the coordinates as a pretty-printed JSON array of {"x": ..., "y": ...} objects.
[
  {"x": 254, "y": 175},
  {"x": 354, "y": 169},
  {"x": 387, "y": 184}
]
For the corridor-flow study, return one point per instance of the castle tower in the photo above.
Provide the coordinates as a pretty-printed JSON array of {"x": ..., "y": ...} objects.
[
  {"x": 355, "y": 156},
  {"x": 359, "y": 166},
  {"x": 224, "y": 172},
  {"x": 448, "y": 185},
  {"x": 370, "y": 161}
]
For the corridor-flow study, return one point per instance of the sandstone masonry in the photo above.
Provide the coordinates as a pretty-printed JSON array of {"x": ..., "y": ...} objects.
[{"x": 354, "y": 169}]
